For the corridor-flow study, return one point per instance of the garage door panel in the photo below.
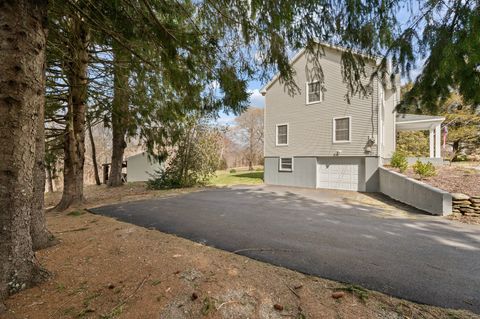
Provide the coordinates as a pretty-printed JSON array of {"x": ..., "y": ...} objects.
[{"x": 339, "y": 174}]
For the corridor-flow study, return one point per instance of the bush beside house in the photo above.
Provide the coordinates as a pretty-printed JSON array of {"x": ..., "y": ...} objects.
[
  {"x": 424, "y": 170},
  {"x": 399, "y": 160}
]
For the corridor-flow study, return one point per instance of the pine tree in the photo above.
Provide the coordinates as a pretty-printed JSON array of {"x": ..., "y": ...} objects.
[{"x": 22, "y": 68}]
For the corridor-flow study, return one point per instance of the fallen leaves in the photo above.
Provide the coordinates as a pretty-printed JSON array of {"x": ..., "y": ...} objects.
[
  {"x": 338, "y": 294},
  {"x": 278, "y": 307}
]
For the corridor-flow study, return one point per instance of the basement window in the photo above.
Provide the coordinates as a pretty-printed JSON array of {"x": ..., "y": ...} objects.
[{"x": 286, "y": 164}]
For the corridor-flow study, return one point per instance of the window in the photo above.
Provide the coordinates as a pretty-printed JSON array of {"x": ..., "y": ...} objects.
[
  {"x": 282, "y": 134},
  {"x": 314, "y": 92},
  {"x": 341, "y": 129},
  {"x": 286, "y": 164}
]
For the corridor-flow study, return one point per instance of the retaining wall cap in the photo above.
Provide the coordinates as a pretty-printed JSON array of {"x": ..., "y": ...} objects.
[
  {"x": 415, "y": 181},
  {"x": 460, "y": 196}
]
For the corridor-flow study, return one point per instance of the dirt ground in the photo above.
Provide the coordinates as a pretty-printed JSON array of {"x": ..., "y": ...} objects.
[
  {"x": 455, "y": 178},
  {"x": 103, "y": 195},
  {"x": 103, "y": 268}
]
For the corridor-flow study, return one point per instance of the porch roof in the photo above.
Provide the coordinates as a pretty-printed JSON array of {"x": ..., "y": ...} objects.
[{"x": 416, "y": 122}]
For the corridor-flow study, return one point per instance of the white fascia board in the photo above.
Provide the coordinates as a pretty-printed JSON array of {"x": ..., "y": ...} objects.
[
  {"x": 433, "y": 121},
  {"x": 297, "y": 56}
]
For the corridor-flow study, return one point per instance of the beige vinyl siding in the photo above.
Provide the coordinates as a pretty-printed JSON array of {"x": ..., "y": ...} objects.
[
  {"x": 140, "y": 168},
  {"x": 389, "y": 132},
  {"x": 310, "y": 127}
]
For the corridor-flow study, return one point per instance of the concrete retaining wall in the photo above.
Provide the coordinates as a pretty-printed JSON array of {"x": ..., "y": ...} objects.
[{"x": 417, "y": 194}]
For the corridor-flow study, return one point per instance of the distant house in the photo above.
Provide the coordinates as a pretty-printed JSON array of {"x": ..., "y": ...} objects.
[
  {"x": 317, "y": 139},
  {"x": 141, "y": 167}
]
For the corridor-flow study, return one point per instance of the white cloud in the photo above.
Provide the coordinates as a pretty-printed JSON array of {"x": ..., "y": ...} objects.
[{"x": 256, "y": 98}]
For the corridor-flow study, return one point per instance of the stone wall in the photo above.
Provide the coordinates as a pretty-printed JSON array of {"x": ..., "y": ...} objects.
[{"x": 466, "y": 205}]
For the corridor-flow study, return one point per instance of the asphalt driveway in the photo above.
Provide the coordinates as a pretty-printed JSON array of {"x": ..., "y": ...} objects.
[{"x": 344, "y": 236}]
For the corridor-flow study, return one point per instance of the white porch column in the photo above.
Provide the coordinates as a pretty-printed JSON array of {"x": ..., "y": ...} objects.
[
  {"x": 431, "y": 143},
  {"x": 437, "y": 141}
]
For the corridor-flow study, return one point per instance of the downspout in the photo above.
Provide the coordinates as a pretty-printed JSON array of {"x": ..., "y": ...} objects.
[
  {"x": 379, "y": 125},
  {"x": 264, "y": 94},
  {"x": 396, "y": 99}
]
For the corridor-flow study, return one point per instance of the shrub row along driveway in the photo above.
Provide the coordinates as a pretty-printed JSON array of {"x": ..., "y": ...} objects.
[{"x": 345, "y": 236}]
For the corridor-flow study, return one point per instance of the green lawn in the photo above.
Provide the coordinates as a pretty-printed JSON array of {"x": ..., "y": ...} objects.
[{"x": 224, "y": 178}]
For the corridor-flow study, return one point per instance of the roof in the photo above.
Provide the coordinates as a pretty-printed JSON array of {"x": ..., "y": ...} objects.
[
  {"x": 405, "y": 118},
  {"x": 136, "y": 155},
  {"x": 417, "y": 122},
  {"x": 300, "y": 53}
]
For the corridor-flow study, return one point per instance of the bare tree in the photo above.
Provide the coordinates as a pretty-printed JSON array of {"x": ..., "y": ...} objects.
[
  {"x": 249, "y": 132},
  {"x": 93, "y": 151}
]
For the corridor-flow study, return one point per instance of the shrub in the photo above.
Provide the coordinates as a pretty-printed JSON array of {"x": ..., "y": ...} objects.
[
  {"x": 163, "y": 179},
  {"x": 195, "y": 157},
  {"x": 399, "y": 161},
  {"x": 424, "y": 169},
  {"x": 233, "y": 171},
  {"x": 460, "y": 158}
]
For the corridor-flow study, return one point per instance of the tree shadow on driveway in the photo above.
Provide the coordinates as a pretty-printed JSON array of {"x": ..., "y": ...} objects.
[{"x": 336, "y": 235}]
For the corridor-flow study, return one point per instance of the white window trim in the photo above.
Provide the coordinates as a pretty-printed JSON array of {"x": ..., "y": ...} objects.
[
  {"x": 280, "y": 169},
  {"x": 307, "y": 102},
  {"x": 276, "y": 134},
  {"x": 349, "y": 129}
]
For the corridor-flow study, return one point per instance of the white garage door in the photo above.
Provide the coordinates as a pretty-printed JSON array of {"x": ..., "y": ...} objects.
[{"x": 338, "y": 174}]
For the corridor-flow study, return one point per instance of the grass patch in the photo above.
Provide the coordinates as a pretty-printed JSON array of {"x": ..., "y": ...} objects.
[
  {"x": 117, "y": 311},
  {"x": 224, "y": 178},
  {"x": 356, "y": 290},
  {"x": 76, "y": 213},
  {"x": 60, "y": 287},
  {"x": 208, "y": 306},
  {"x": 155, "y": 282},
  {"x": 88, "y": 299}
]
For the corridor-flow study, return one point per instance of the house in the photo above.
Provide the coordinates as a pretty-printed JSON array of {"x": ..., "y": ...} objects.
[
  {"x": 141, "y": 167},
  {"x": 318, "y": 139}
]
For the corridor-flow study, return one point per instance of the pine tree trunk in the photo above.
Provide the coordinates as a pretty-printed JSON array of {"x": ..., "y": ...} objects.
[
  {"x": 74, "y": 143},
  {"x": 119, "y": 113},
  {"x": 94, "y": 153},
  {"x": 41, "y": 237},
  {"x": 50, "y": 180},
  {"x": 22, "y": 62}
]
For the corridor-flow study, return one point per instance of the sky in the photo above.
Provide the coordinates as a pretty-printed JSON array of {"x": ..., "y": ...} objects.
[{"x": 256, "y": 100}]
